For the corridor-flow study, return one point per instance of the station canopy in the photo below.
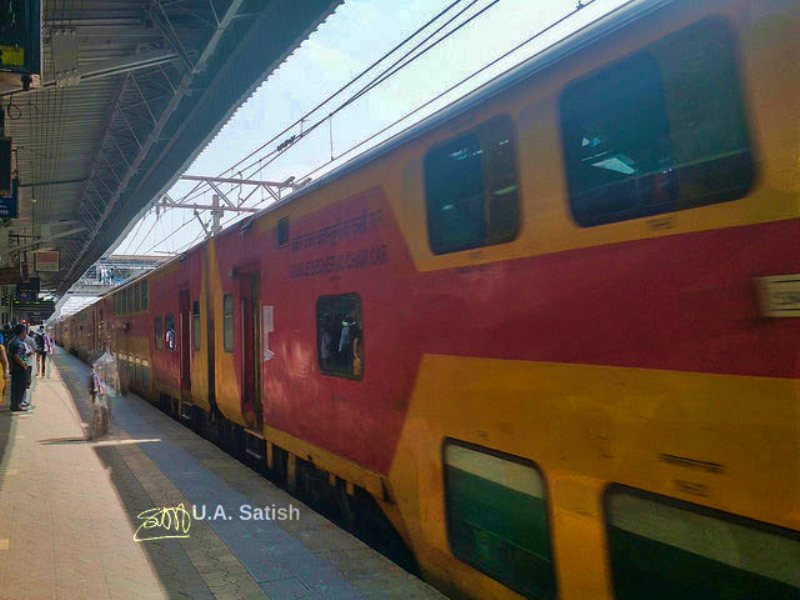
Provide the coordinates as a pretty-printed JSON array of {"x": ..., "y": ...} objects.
[{"x": 130, "y": 92}]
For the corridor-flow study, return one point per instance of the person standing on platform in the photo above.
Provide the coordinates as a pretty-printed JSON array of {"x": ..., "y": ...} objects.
[
  {"x": 20, "y": 371},
  {"x": 30, "y": 345},
  {"x": 43, "y": 346},
  {"x": 3, "y": 366}
]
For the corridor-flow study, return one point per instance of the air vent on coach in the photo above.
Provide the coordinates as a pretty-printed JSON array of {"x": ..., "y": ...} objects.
[{"x": 283, "y": 231}]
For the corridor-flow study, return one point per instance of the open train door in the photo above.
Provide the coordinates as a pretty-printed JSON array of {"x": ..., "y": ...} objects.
[
  {"x": 185, "y": 345},
  {"x": 249, "y": 296}
]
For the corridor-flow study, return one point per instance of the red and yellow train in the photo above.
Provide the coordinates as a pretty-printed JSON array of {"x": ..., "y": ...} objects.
[{"x": 544, "y": 329}]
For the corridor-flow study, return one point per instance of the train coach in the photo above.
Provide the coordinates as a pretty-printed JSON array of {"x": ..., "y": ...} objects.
[{"x": 542, "y": 331}]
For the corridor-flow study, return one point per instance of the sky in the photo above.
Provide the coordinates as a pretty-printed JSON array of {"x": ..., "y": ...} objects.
[{"x": 357, "y": 34}]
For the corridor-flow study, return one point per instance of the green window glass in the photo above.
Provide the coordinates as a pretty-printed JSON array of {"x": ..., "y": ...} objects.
[
  {"x": 123, "y": 306},
  {"x": 497, "y": 518},
  {"x": 662, "y": 549},
  {"x": 661, "y": 131},
  {"x": 145, "y": 300},
  {"x": 227, "y": 322},
  {"x": 471, "y": 189},
  {"x": 196, "y": 324},
  {"x": 340, "y": 336},
  {"x": 137, "y": 298},
  {"x": 159, "y": 333}
]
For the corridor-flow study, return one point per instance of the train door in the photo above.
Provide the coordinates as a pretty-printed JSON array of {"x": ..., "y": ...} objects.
[
  {"x": 185, "y": 344},
  {"x": 251, "y": 379}
]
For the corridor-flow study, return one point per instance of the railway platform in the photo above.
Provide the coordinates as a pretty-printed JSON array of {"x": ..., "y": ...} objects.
[{"x": 82, "y": 519}]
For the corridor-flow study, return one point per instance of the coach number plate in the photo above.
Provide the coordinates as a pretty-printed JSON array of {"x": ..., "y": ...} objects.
[{"x": 779, "y": 296}]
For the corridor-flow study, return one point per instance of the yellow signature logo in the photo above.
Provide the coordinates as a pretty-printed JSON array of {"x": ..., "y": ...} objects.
[{"x": 164, "y": 523}]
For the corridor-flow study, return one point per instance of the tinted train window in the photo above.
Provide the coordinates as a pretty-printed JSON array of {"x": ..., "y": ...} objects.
[
  {"x": 196, "y": 324},
  {"x": 471, "y": 189},
  {"x": 497, "y": 518},
  {"x": 661, "y": 131},
  {"x": 137, "y": 298},
  {"x": 340, "y": 336},
  {"x": 227, "y": 322},
  {"x": 169, "y": 333},
  {"x": 664, "y": 549},
  {"x": 144, "y": 295},
  {"x": 158, "y": 328}
]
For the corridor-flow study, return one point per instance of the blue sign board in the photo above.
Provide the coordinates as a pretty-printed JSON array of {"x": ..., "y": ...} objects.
[{"x": 8, "y": 204}]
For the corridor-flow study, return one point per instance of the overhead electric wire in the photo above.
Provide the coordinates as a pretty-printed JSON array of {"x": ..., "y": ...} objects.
[
  {"x": 154, "y": 246},
  {"x": 366, "y": 70},
  {"x": 146, "y": 235},
  {"x": 471, "y": 76},
  {"x": 383, "y": 76},
  {"x": 136, "y": 231}
]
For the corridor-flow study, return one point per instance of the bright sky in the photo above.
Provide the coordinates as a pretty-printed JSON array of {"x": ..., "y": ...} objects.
[{"x": 356, "y": 35}]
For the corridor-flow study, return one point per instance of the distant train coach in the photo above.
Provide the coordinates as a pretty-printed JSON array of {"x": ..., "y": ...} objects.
[{"x": 546, "y": 333}]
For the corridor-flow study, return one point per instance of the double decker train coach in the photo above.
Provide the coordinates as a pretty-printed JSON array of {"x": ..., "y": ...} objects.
[{"x": 543, "y": 331}]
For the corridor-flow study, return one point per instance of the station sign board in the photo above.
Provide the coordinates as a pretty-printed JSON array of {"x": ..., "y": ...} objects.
[
  {"x": 21, "y": 37},
  {"x": 8, "y": 204},
  {"x": 28, "y": 291},
  {"x": 6, "y": 183},
  {"x": 34, "y": 311},
  {"x": 46, "y": 261}
]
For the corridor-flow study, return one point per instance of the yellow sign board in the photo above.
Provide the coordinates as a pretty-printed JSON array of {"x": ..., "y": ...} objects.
[{"x": 12, "y": 56}]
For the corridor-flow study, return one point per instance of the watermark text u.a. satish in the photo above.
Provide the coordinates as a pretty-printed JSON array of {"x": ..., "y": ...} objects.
[{"x": 175, "y": 522}]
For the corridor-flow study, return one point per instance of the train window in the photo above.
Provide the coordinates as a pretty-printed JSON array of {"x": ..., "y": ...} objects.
[
  {"x": 227, "y": 322},
  {"x": 471, "y": 189},
  {"x": 169, "y": 333},
  {"x": 159, "y": 333},
  {"x": 196, "y": 324},
  {"x": 497, "y": 518},
  {"x": 123, "y": 304},
  {"x": 661, "y": 548},
  {"x": 340, "y": 336},
  {"x": 661, "y": 131},
  {"x": 137, "y": 298},
  {"x": 144, "y": 295}
]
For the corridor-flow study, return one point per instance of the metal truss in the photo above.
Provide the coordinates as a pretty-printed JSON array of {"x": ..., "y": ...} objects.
[
  {"x": 224, "y": 201},
  {"x": 179, "y": 38}
]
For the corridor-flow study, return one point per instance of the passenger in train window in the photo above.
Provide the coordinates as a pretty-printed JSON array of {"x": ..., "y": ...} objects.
[
  {"x": 339, "y": 336},
  {"x": 357, "y": 362},
  {"x": 348, "y": 340},
  {"x": 326, "y": 350},
  {"x": 169, "y": 336}
]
